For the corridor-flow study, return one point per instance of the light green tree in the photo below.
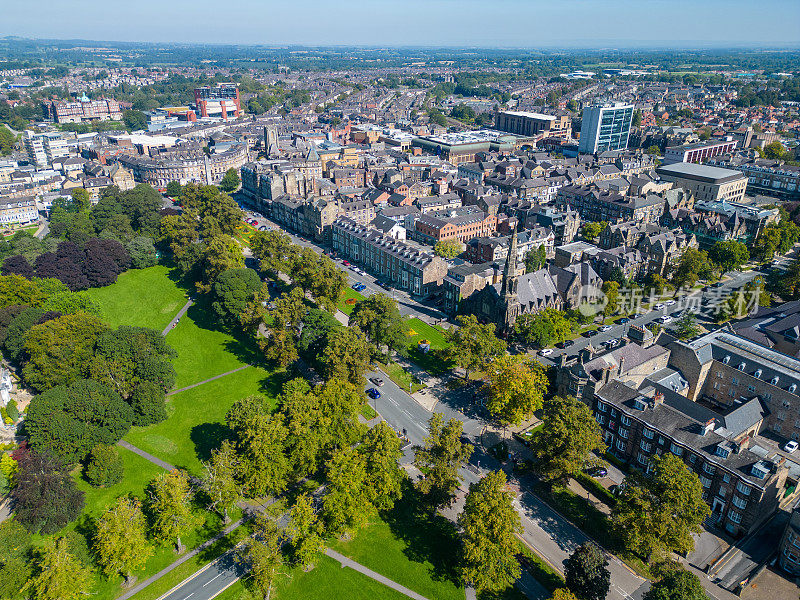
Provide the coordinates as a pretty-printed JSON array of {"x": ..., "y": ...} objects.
[
  {"x": 170, "y": 508},
  {"x": 61, "y": 576},
  {"x": 490, "y": 524},
  {"x": 472, "y": 344},
  {"x": 381, "y": 449},
  {"x": 306, "y": 532},
  {"x": 346, "y": 507},
  {"x": 440, "y": 458},
  {"x": 220, "y": 479},
  {"x": 120, "y": 539},
  {"x": 515, "y": 388}
]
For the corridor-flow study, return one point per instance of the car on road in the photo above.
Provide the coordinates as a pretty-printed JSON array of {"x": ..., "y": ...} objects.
[
  {"x": 384, "y": 285},
  {"x": 345, "y": 263},
  {"x": 377, "y": 381},
  {"x": 670, "y": 303},
  {"x": 373, "y": 393},
  {"x": 262, "y": 228},
  {"x": 604, "y": 328},
  {"x": 545, "y": 352},
  {"x": 611, "y": 343},
  {"x": 659, "y": 306},
  {"x": 790, "y": 446},
  {"x": 665, "y": 319},
  {"x": 623, "y": 320},
  {"x": 566, "y": 344},
  {"x": 357, "y": 286},
  {"x": 597, "y": 471},
  {"x": 591, "y": 333}
]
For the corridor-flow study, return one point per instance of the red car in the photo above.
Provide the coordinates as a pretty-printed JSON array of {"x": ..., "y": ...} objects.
[{"x": 345, "y": 263}]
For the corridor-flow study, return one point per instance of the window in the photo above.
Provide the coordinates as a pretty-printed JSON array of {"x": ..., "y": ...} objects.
[
  {"x": 792, "y": 388},
  {"x": 625, "y": 420},
  {"x": 734, "y": 516},
  {"x": 642, "y": 458},
  {"x": 722, "y": 492},
  {"x": 600, "y": 419},
  {"x": 774, "y": 380},
  {"x": 741, "y": 366},
  {"x": 743, "y": 488},
  {"x": 620, "y": 445},
  {"x": 645, "y": 446},
  {"x": 676, "y": 450},
  {"x": 726, "y": 478},
  {"x": 757, "y": 374},
  {"x": 709, "y": 468},
  {"x": 705, "y": 481},
  {"x": 751, "y": 388},
  {"x": 734, "y": 381},
  {"x": 692, "y": 458},
  {"x": 623, "y": 433},
  {"x": 739, "y": 502},
  {"x": 648, "y": 433},
  {"x": 613, "y": 413}
]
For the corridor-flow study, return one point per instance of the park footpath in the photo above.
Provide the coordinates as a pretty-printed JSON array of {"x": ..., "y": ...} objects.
[{"x": 249, "y": 509}]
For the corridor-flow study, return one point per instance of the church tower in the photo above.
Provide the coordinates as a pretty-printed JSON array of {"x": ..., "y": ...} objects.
[{"x": 508, "y": 291}]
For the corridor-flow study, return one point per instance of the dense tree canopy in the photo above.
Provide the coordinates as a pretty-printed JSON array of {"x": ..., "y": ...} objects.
[
  {"x": 515, "y": 388},
  {"x": 68, "y": 421}
]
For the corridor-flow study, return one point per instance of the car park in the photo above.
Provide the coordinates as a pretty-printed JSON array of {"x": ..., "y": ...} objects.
[
  {"x": 790, "y": 446},
  {"x": 373, "y": 393},
  {"x": 545, "y": 352},
  {"x": 604, "y": 328}
]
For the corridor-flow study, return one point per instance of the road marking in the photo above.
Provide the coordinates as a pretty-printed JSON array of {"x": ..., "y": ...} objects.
[
  {"x": 189, "y": 596},
  {"x": 212, "y": 579}
]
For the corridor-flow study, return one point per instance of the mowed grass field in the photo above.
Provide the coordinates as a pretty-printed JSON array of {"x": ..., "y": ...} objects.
[
  {"x": 140, "y": 297},
  {"x": 328, "y": 580}
]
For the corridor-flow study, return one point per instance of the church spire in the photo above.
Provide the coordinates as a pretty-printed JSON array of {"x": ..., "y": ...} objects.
[{"x": 510, "y": 271}]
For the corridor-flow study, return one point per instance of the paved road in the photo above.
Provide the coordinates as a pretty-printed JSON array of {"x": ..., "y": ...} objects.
[
  {"x": 545, "y": 530},
  {"x": 409, "y": 307},
  {"x": 209, "y": 582}
]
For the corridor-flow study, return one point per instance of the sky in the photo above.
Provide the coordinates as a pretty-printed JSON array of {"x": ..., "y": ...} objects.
[{"x": 463, "y": 23}]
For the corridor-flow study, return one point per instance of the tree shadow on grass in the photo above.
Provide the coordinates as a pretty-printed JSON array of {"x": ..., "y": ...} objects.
[
  {"x": 428, "y": 537},
  {"x": 208, "y": 437},
  {"x": 243, "y": 348}
]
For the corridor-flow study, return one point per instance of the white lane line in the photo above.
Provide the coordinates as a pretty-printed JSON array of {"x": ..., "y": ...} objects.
[
  {"x": 212, "y": 579},
  {"x": 189, "y": 596}
]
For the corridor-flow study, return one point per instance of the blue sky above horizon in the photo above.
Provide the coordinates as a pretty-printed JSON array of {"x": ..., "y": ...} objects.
[{"x": 463, "y": 23}]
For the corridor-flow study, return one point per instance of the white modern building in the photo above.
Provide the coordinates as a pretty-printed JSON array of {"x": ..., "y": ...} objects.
[
  {"x": 44, "y": 147},
  {"x": 605, "y": 127}
]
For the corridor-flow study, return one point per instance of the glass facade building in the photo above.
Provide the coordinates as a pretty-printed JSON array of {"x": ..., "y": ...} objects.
[{"x": 605, "y": 127}]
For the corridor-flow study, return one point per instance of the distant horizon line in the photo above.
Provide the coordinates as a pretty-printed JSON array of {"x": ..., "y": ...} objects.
[{"x": 588, "y": 45}]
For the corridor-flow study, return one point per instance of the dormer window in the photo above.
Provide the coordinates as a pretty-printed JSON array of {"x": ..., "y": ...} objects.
[
  {"x": 793, "y": 388},
  {"x": 741, "y": 366},
  {"x": 758, "y": 374},
  {"x": 722, "y": 451},
  {"x": 759, "y": 470},
  {"x": 774, "y": 381},
  {"x": 726, "y": 360}
]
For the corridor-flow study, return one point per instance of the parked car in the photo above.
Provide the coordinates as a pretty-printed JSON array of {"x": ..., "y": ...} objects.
[
  {"x": 604, "y": 328},
  {"x": 566, "y": 344},
  {"x": 623, "y": 320},
  {"x": 377, "y": 381},
  {"x": 659, "y": 306},
  {"x": 262, "y": 228},
  {"x": 790, "y": 446},
  {"x": 356, "y": 285},
  {"x": 591, "y": 333},
  {"x": 612, "y": 342},
  {"x": 373, "y": 393},
  {"x": 545, "y": 352},
  {"x": 665, "y": 319},
  {"x": 670, "y": 302},
  {"x": 597, "y": 472}
]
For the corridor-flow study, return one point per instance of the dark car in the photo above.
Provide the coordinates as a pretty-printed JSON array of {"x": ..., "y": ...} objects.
[
  {"x": 591, "y": 333},
  {"x": 373, "y": 393},
  {"x": 623, "y": 320},
  {"x": 597, "y": 471},
  {"x": 565, "y": 344}
]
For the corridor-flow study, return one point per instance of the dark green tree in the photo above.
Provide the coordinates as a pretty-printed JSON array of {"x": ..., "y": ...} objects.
[{"x": 586, "y": 573}]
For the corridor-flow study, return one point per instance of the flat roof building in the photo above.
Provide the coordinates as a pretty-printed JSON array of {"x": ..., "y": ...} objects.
[
  {"x": 698, "y": 153},
  {"x": 531, "y": 123},
  {"x": 705, "y": 182}
]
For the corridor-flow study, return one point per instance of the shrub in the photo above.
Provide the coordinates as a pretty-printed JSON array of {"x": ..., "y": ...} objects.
[
  {"x": 104, "y": 466},
  {"x": 12, "y": 410}
]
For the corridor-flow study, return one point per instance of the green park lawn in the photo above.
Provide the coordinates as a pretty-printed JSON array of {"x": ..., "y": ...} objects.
[
  {"x": 204, "y": 349},
  {"x": 409, "y": 546},
  {"x": 327, "y": 580},
  {"x": 432, "y": 362},
  {"x": 196, "y": 421},
  {"x": 141, "y": 297},
  {"x": 349, "y": 293}
]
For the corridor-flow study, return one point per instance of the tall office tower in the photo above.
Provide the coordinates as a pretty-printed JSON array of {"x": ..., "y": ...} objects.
[{"x": 605, "y": 127}]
